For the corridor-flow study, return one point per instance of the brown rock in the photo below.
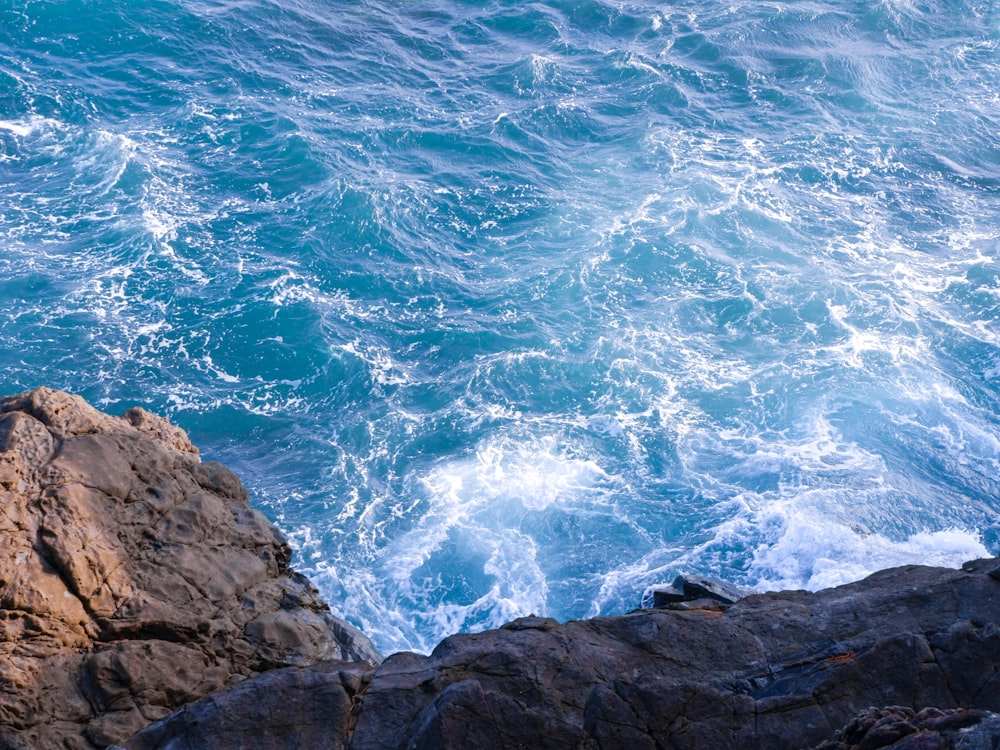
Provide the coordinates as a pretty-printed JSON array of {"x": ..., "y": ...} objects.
[{"x": 134, "y": 578}]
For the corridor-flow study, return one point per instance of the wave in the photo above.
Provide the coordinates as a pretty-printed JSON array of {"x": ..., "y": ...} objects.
[{"x": 522, "y": 309}]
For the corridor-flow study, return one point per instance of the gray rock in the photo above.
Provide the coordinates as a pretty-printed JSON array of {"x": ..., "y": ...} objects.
[
  {"x": 776, "y": 670},
  {"x": 902, "y": 728},
  {"x": 295, "y": 707},
  {"x": 687, "y": 588}
]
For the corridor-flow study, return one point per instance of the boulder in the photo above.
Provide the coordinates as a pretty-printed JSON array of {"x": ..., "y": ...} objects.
[
  {"x": 134, "y": 578},
  {"x": 689, "y": 588}
]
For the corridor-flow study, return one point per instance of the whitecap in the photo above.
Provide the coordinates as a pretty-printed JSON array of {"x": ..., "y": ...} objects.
[
  {"x": 18, "y": 128},
  {"x": 813, "y": 553}
]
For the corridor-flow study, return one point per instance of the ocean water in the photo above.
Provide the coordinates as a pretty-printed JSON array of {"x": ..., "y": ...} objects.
[{"x": 507, "y": 307}]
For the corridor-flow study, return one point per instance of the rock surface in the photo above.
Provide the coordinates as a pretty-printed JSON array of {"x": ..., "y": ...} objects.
[
  {"x": 134, "y": 578},
  {"x": 780, "y": 670},
  {"x": 688, "y": 588},
  {"x": 777, "y": 670},
  {"x": 901, "y": 728},
  {"x": 302, "y": 707}
]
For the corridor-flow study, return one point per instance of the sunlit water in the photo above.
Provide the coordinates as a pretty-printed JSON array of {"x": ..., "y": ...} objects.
[{"x": 520, "y": 307}]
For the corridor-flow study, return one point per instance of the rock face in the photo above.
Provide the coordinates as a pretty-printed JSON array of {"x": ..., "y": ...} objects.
[
  {"x": 777, "y": 670},
  {"x": 299, "y": 707},
  {"x": 133, "y": 578},
  {"x": 772, "y": 671}
]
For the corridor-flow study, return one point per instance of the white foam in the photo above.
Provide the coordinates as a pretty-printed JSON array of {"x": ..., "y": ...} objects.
[
  {"x": 900, "y": 348},
  {"x": 635, "y": 62},
  {"x": 538, "y": 476},
  {"x": 218, "y": 372},
  {"x": 384, "y": 368},
  {"x": 30, "y": 125},
  {"x": 504, "y": 474},
  {"x": 18, "y": 128},
  {"x": 814, "y": 553},
  {"x": 542, "y": 66},
  {"x": 800, "y": 547},
  {"x": 477, "y": 503}
]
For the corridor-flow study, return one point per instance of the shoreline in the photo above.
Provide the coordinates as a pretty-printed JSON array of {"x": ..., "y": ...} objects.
[{"x": 145, "y": 605}]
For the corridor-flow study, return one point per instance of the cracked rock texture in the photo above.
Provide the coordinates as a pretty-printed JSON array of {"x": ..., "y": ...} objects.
[
  {"x": 776, "y": 670},
  {"x": 901, "y": 728},
  {"x": 781, "y": 670},
  {"x": 134, "y": 578}
]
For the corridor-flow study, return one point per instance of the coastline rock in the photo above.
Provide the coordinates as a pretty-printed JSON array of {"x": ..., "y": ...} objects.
[
  {"x": 771, "y": 671},
  {"x": 777, "y": 670},
  {"x": 688, "y": 588},
  {"x": 296, "y": 707},
  {"x": 901, "y": 728},
  {"x": 133, "y": 578}
]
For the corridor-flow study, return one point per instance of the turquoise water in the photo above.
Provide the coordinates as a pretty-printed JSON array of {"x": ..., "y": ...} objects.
[{"x": 520, "y": 307}]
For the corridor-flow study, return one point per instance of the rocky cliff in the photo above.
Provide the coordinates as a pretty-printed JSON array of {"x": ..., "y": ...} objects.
[
  {"x": 134, "y": 580},
  {"x": 778, "y": 670}
]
